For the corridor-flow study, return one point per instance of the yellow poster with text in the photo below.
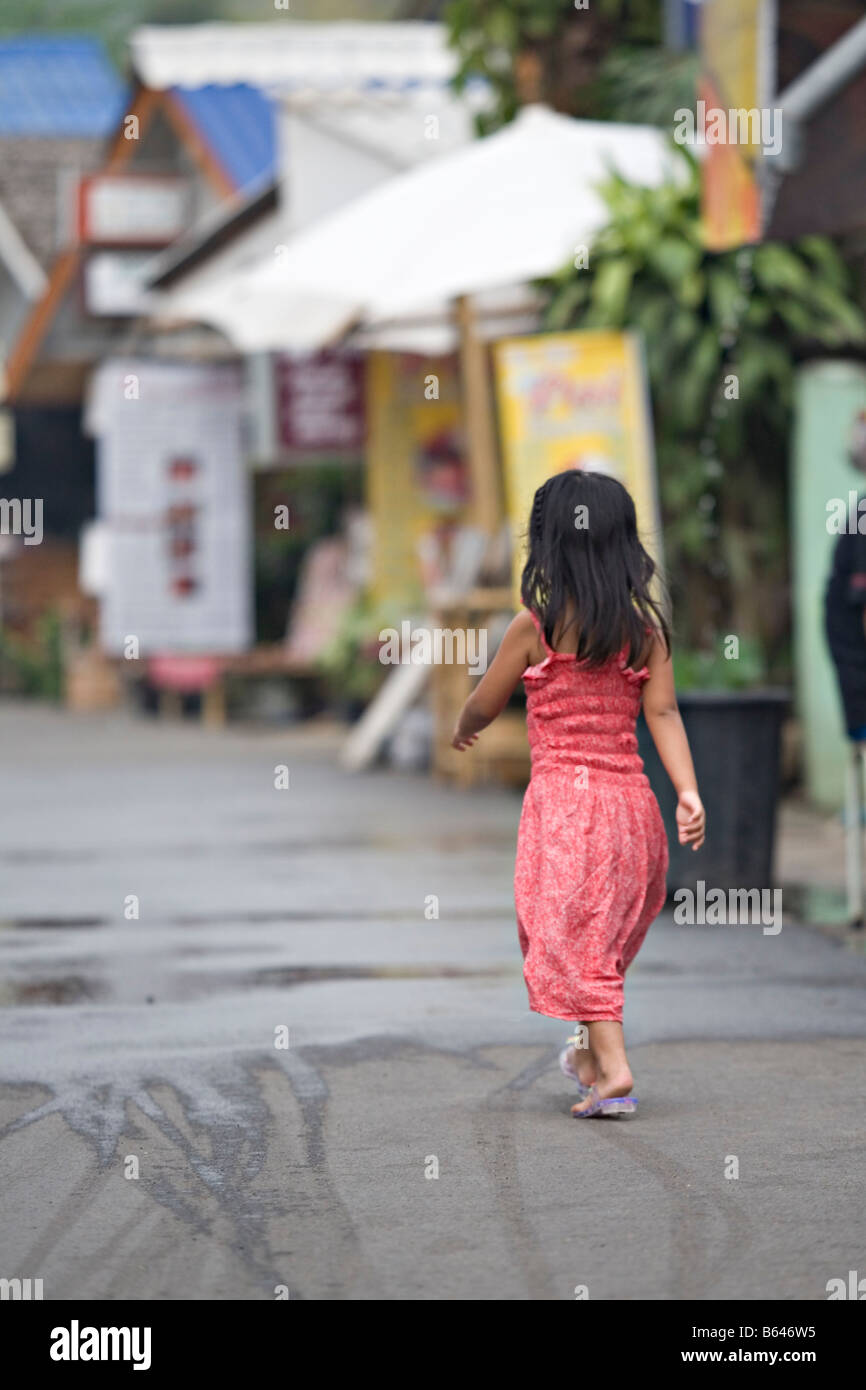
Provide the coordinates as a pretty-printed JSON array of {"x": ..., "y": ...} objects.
[
  {"x": 417, "y": 479},
  {"x": 575, "y": 400}
]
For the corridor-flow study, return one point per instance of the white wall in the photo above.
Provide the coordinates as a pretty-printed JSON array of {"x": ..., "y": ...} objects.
[{"x": 321, "y": 171}]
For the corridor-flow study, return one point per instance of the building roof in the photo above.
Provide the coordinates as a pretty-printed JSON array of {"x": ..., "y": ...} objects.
[
  {"x": 220, "y": 227},
  {"x": 345, "y": 59},
  {"x": 238, "y": 124},
  {"x": 370, "y": 85},
  {"x": 58, "y": 85},
  {"x": 34, "y": 174}
]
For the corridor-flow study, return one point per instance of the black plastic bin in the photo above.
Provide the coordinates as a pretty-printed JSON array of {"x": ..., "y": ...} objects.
[{"x": 735, "y": 742}]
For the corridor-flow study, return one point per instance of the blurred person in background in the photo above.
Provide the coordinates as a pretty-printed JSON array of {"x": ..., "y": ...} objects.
[
  {"x": 845, "y": 605},
  {"x": 845, "y": 626}
]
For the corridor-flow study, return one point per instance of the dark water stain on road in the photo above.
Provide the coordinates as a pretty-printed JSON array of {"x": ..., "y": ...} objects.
[
  {"x": 256, "y": 918},
  {"x": 182, "y": 986},
  {"x": 50, "y": 923},
  {"x": 442, "y": 842},
  {"x": 60, "y": 989},
  {"x": 206, "y": 1134}
]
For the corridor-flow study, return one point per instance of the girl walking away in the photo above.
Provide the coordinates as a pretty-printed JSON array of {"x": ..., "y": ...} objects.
[{"x": 592, "y": 857}]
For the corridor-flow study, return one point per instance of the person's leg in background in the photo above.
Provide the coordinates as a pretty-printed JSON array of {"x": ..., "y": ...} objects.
[{"x": 854, "y": 799}]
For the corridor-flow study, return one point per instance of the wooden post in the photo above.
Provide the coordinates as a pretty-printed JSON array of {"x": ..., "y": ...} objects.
[
  {"x": 170, "y": 704},
  {"x": 478, "y": 416},
  {"x": 213, "y": 705}
]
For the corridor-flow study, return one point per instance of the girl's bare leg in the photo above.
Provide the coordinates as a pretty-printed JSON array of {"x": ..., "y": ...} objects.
[
  {"x": 612, "y": 1072},
  {"x": 581, "y": 1058}
]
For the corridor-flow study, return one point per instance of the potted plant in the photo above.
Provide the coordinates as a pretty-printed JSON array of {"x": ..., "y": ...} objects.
[
  {"x": 733, "y": 719},
  {"x": 350, "y": 663}
]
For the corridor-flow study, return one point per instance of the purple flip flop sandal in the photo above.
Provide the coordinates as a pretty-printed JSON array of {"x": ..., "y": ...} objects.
[
  {"x": 567, "y": 1070},
  {"x": 616, "y": 1107}
]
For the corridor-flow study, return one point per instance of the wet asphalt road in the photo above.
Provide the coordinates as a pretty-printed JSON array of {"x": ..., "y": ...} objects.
[{"x": 154, "y": 1045}]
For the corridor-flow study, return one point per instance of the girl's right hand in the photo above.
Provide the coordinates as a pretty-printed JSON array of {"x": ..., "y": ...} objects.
[{"x": 691, "y": 819}]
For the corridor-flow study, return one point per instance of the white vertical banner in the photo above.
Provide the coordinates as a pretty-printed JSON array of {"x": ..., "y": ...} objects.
[{"x": 173, "y": 496}]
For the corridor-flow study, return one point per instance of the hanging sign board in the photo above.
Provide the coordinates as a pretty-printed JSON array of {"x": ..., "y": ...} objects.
[
  {"x": 575, "y": 400},
  {"x": 172, "y": 497},
  {"x": 320, "y": 402}
]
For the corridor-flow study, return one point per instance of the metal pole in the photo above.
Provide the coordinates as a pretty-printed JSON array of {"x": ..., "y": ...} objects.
[{"x": 814, "y": 88}]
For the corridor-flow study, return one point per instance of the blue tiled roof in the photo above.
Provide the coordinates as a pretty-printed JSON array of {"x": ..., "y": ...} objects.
[
  {"x": 58, "y": 84},
  {"x": 238, "y": 124}
]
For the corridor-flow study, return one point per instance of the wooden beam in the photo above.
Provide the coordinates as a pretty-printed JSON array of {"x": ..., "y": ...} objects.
[
  {"x": 189, "y": 135},
  {"x": 28, "y": 342},
  {"x": 479, "y": 422}
]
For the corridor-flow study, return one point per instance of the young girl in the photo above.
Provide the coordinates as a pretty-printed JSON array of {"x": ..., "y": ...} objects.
[{"x": 591, "y": 850}]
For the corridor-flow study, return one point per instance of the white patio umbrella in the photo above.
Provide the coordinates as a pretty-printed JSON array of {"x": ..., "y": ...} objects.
[{"x": 498, "y": 212}]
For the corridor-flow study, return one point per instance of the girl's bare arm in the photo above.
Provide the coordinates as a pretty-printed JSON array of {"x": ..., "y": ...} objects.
[
  {"x": 666, "y": 727},
  {"x": 491, "y": 694}
]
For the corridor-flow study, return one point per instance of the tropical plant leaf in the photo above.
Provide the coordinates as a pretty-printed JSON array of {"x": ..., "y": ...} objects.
[
  {"x": 776, "y": 267},
  {"x": 674, "y": 258},
  {"x": 566, "y": 307},
  {"x": 610, "y": 289},
  {"x": 725, "y": 294},
  {"x": 825, "y": 256}
]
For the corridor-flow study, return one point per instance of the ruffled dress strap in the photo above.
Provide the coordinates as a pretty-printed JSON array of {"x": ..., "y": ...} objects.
[
  {"x": 636, "y": 677},
  {"x": 540, "y": 630}
]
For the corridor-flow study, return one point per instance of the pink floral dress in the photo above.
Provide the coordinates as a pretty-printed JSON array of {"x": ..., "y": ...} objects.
[{"x": 591, "y": 849}]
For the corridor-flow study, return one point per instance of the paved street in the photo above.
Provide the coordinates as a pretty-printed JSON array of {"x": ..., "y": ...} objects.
[{"x": 154, "y": 1043}]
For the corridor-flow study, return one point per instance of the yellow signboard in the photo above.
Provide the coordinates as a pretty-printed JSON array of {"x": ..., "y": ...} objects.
[
  {"x": 417, "y": 477},
  {"x": 575, "y": 400}
]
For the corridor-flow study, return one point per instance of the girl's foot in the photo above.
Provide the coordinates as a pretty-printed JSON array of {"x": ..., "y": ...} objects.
[
  {"x": 606, "y": 1088},
  {"x": 579, "y": 1064},
  {"x": 615, "y": 1108}
]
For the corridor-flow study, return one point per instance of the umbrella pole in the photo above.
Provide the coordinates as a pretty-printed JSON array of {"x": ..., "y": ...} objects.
[{"x": 479, "y": 422}]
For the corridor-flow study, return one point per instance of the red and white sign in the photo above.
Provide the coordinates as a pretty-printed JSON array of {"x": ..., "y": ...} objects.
[
  {"x": 132, "y": 209},
  {"x": 114, "y": 282},
  {"x": 173, "y": 497},
  {"x": 320, "y": 402}
]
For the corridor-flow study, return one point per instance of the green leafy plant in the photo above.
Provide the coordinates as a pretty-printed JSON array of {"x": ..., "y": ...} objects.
[
  {"x": 645, "y": 85},
  {"x": 723, "y": 333},
  {"x": 351, "y": 662},
  {"x": 317, "y": 499},
  {"x": 544, "y": 50},
  {"x": 33, "y": 667},
  {"x": 711, "y": 669}
]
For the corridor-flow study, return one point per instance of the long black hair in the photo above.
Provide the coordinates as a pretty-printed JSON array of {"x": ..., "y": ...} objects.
[{"x": 585, "y": 555}]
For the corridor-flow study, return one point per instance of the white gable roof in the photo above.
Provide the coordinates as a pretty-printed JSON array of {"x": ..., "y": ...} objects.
[{"x": 340, "y": 59}]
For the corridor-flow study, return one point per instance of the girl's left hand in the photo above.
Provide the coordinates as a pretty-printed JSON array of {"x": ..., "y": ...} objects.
[
  {"x": 460, "y": 741},
  {"x": 691, "y": 819}
]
